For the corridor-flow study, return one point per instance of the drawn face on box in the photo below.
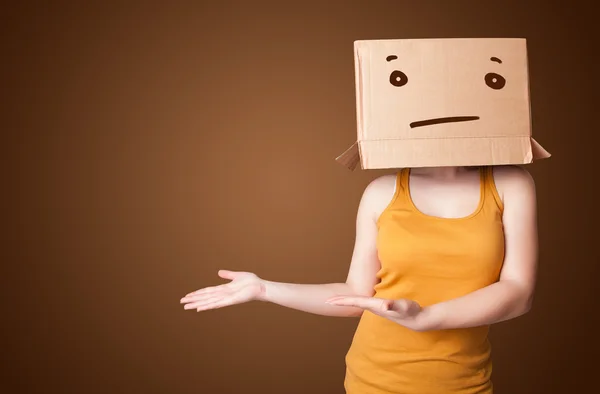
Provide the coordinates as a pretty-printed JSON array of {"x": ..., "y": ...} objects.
[
  {"x": 442, "y": 102},
  {"x": 444, "y": 88}
]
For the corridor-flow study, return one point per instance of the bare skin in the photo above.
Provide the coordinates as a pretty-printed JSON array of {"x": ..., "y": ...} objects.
[{"x": 443, "y": 192}]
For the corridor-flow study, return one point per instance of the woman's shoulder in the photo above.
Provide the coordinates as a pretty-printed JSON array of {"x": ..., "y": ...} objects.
[
  {"x": 380, "y": 191},
  {"x": 513, "y": 179},
  {"x": 382, "y": 185}
]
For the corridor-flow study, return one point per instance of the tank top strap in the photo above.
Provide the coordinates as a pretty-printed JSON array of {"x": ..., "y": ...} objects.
[
  {"x": 402, "y": 180},
  {"x": 398, "y": 200},
  {"x": 402, "y": 185},
  {"x": 399, "y": 187},
  {"x": 491, "y": 192}
]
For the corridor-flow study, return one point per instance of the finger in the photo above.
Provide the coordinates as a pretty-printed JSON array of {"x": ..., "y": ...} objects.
[
  {"x": 203, "y": 292},
  {"x": 216, "y": 304},
  {"x": 386, "y": 305},
  {"x": 205, "y": 301},
  {"x": 373, "y": 304},
  {"x": 226, "y": 274},
  {"x": 407, "y": 307},
  {"x": 400, "y": 306},
  {"x": 222, "y": 293},
  {"x": 359, "y": 302},
  {"x": 341, "y": 297},
  {"x": 204, "y": 297},
  {"x": 404, "y": 309},
  {"x": 343, "y": 300}
]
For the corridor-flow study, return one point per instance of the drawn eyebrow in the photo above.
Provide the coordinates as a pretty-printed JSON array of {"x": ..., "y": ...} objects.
[
  {"x": 495, "y": 59},
  {"x": 391, "y": 57}
]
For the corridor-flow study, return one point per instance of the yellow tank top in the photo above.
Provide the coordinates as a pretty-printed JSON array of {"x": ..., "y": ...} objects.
[{"x": 429, "y": 259}]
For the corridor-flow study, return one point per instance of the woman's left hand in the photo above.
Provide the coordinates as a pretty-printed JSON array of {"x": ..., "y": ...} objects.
[{"x": 404, "y": 312}]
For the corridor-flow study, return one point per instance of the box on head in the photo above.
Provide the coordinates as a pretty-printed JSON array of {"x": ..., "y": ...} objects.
[{"x": 442, "y": 102}]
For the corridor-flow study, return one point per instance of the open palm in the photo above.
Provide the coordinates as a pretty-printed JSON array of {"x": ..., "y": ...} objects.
[{"x": 244, "y": 287}]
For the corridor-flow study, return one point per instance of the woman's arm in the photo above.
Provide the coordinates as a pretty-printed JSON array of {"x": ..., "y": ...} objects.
[
  {"x": 362, "y": 275},
  {"x": 309, "y": 297},
  {"x": 506, "y": 299},
  {"x": 512, "y": 295},
  {"x": 360, "y": 281}
]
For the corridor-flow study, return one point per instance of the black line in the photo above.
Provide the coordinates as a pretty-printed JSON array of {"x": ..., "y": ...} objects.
[{"x": 443, "y": 120}]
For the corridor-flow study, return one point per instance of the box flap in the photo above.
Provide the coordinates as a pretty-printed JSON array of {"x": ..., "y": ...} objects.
[
  {"x": 538, "y": 151},
  {"x": 351, "y": 157}
]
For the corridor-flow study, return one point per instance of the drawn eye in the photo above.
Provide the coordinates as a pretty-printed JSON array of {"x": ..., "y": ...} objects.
[
  {"x": 398, "y": 78},
  {"x": 495, "y": 81}
]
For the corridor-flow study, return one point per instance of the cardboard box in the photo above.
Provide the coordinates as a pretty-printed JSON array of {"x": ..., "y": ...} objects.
[{"x": 442, "y": 102}]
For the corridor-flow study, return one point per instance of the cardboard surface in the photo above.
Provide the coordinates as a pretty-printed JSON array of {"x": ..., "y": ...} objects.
[{"x": 442, "y": 102}]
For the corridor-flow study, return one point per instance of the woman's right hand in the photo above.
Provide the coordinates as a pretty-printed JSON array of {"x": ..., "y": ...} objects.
[{"x": 244, "y": 287}]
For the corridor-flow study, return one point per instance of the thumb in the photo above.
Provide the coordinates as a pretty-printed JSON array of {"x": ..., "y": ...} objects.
[
  {"x": 225, "y": 274},
  {"x": 387, "y": 305},
  {"x": 406, "y": 307},
  {"x": 399, "y": 306}
]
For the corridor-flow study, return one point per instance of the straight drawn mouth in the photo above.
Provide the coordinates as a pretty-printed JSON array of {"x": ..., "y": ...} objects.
[{"x": 429, "y": 122}]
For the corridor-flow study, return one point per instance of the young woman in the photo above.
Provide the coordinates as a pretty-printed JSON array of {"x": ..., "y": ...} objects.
[{"x": 440, "y": 254}]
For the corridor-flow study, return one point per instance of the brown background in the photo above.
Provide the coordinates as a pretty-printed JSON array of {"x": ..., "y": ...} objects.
[{"x": 148, "y": 146}]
